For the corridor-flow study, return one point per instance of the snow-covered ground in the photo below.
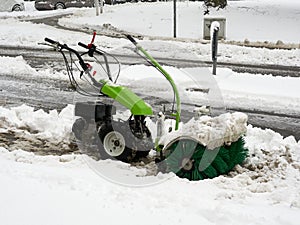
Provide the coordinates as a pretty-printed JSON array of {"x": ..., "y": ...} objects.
[
  {"x": 65, "y": 190},
  {"x": 156, "y": 18},
  {"x": 245, "y": 19}
]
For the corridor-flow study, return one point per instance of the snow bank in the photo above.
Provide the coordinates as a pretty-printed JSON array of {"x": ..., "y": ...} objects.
[
  {"x": 19, "y": 67},
  {"x": 272, "y": 167},
  {"x": 53, "y": 126},
  {"x": 16, "y": 65},
  {"x": 259, "y": 92}
]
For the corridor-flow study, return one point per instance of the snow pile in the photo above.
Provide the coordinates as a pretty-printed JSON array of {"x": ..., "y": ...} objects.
[
  {"x": 53, "y": 126},
  {"x": 272, "y": 158},
  {"x": 19, "y": 67},
  {"x": 273, "y": 167},
  {"x": 15, "y": 65},
  {"x": 212, "y": 131}
]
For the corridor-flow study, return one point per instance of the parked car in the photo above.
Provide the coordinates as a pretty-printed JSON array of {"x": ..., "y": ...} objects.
[
  {"x": 113, "y": 2},
  {"x": 62, "y": 4},
  {"x": 11, "y": 5}
]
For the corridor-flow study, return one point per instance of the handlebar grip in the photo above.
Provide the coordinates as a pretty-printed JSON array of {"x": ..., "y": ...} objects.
[
  {"x": 130, "y": 38},
  {"x": 50, "y": 41},
  {"x": 83, "y": 45}
]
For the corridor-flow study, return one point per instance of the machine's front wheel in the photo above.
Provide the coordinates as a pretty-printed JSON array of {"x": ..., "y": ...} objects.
[{"x": 114, "y": 143}]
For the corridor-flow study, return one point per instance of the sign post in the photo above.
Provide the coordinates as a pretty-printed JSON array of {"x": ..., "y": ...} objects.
[
  {"x": 174, "y": 19},
  {"x": 97, "y": 7},
  {"x": 101, "y": 6},
  {"x": 214, "y": 30}
]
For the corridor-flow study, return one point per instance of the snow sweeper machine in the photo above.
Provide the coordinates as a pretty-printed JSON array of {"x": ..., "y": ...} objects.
[{"x": 214, "y": 148}]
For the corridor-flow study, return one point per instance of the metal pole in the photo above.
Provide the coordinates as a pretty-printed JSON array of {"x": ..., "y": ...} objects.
[
  {"x": 174, "y": 14},
  {"x": 214, "y": 45},
  {"x": 101, "y": 6},
  {"x": 97, "y": 7}
]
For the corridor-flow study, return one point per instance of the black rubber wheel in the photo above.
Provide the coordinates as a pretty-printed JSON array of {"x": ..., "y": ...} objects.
[
  {"x": 60, "y": 5},
  {"x": 78, "y": 128},
  {"x": 17, "y": 8},
  {"x": 113, "y": 144}
]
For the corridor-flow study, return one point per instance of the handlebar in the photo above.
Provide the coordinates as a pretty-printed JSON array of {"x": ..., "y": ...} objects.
[
  {"x": 83, "y": 45},
  {"x": 64, "y": 46},
  {"x": 50, "y": 41},
  {"x": 130, "y": 38},
  {"x": 92, "y": 48},
  {"x": 83, "y": 65}
]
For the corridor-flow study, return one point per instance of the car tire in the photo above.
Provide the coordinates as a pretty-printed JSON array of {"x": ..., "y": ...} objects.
[
  {"x": 110, "y": 2},
  {"x": 60, "y": 5}
]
